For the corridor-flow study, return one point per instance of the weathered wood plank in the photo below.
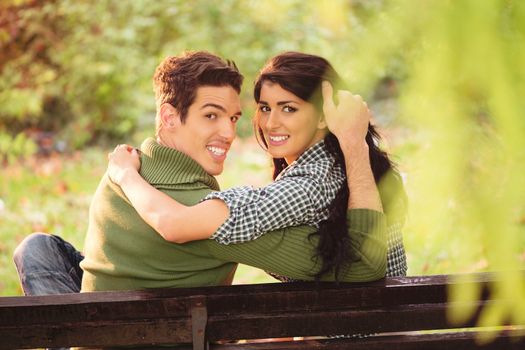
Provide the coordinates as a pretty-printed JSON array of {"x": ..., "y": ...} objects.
[
  {"x": 318, "y": 323},
  {"x": 455, "y": 341},
  {"x": 99, "y": 334}
]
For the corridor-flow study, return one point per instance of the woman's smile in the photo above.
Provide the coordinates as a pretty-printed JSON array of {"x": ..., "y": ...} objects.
[{"x": 277, "y": 139}]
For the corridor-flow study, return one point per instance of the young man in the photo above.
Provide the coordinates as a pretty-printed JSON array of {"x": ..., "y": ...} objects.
[{"x": 197, "y": 108}]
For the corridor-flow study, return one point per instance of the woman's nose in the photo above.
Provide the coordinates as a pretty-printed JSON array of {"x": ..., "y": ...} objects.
[{"x": 273, "y": 120}]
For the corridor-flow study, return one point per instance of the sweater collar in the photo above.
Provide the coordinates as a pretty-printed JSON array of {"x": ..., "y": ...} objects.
[{"x": 166, "y": 168}]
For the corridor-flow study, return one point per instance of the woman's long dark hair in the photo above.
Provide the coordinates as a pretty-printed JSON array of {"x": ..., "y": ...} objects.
[{"x": 302, "y": 75}]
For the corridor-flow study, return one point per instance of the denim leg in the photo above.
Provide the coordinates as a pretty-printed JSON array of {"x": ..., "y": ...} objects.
[{"x": 47, "y": 264}]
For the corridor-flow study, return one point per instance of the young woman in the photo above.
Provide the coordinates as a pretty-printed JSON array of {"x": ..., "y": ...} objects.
[{"x": 310, "y": 182}]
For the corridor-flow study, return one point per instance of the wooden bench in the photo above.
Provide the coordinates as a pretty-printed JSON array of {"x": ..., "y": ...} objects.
[{"x": 396, "y": 310}]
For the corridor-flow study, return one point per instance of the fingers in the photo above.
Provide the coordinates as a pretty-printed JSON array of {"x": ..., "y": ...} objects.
[
  {"x": 328, "y": 96},
  {"x": 344, "y": 96},
  {"x": 123, "y": 146},
  {"x": 349, "y": 100},
  {"x": 345, "y": 99}
]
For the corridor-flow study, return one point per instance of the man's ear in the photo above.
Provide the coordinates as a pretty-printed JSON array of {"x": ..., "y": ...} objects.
[{"x": 169, "y": 116}]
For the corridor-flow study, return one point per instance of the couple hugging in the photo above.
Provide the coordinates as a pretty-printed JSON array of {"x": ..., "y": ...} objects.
[{"x": 158, "y": 219}]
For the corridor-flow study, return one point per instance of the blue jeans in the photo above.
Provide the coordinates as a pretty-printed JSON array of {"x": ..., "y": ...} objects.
[{"x": 47, "y": 264}]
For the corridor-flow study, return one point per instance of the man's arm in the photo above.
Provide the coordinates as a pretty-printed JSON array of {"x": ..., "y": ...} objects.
[{"x": 291, "y": 252}]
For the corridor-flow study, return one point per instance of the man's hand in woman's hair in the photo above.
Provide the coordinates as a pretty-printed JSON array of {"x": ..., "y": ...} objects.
[{"x": 349, "y": 119}]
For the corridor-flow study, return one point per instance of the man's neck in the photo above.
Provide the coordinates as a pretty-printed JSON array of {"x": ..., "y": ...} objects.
[{"x": 161, "y": 142}]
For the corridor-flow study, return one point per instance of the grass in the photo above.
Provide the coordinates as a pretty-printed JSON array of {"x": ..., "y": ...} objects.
[{"x": 50, "y": 195}]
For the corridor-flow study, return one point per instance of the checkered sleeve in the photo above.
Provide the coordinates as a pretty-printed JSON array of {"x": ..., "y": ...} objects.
[
  {"x": 396, "y": 256},
  {"x": 287, "y": 202}
]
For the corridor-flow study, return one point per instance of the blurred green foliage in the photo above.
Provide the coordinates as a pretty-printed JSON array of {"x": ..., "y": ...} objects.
[
  {"x": 461, "y": 101},
  {"x": 82, "y": 69},
  {"x": 445, "y": 78}
]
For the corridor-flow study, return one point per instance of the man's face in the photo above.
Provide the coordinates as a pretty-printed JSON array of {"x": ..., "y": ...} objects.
[{"x": 209, "y": 128}]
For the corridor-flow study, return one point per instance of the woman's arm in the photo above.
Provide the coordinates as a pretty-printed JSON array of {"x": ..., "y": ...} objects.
[
  {"x": 290, "y": 201},
  {"x": 236, "y": 215},
  {"x": 348, "y": 121},
  {"x": 175, "y": 222}
]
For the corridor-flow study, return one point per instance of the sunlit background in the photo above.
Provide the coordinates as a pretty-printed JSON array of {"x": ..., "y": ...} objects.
[{"x": 445, "y": 80}]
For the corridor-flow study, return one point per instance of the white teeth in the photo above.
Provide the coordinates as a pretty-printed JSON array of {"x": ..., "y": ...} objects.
[
  {"x": 278, "y": 138},
  {"x": 216, "y": 150}
]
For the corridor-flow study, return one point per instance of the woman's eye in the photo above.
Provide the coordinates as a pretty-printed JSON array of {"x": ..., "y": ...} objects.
[
  {"x": 264, "y": 108},
  {"x": 289, "y": 109},
  {"x": 211, "y": 116},
  {"x": 234, "y": 118}
]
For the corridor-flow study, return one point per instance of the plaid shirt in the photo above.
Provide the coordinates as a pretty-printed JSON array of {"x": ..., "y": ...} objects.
[
  {"x": 301, "y": 195},
  {"x": 396, "y": 259}
]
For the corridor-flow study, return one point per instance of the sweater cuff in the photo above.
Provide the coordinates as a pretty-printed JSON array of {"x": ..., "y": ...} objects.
[
  {"x": 368, "y": 231},
  {"x": 365, "y": 220}
]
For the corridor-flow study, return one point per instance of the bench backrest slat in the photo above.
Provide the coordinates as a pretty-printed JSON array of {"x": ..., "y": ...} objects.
[{"x": 169, "y": 316}]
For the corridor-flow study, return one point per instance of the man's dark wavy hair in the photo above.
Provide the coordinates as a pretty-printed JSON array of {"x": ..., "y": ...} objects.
[{"x": 177, "y": 78}]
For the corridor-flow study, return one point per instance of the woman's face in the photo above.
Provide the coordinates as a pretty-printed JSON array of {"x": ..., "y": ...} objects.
[{"x": 289, "y": 124}]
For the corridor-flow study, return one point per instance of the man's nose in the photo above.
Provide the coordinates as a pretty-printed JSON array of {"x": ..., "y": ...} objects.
[{"x": 227, "y": 130}]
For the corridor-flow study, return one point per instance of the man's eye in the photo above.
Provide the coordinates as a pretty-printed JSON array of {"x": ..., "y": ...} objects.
[
  {"x": 211, "y": 116},
  {"x": 289, "y": 109},
  {"x": 235, "y": 118},
  {"x": 264, "y": 108}
]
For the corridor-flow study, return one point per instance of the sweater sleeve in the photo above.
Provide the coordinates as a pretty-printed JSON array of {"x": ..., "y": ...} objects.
[{"x": 290, "y": 252}]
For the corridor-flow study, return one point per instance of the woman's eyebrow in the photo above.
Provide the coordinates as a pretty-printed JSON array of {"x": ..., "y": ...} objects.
[{"x": 280, "y": 103}]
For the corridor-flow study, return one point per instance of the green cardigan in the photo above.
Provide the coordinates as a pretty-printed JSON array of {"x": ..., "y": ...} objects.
[{"x": 123, "y": 252}]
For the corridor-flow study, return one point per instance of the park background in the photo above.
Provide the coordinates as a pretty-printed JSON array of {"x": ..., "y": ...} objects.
[{"x": 445, "y": 80}]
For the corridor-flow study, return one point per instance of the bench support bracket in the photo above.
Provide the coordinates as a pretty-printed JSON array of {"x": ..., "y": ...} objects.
[{"x": 199, "y": 318}]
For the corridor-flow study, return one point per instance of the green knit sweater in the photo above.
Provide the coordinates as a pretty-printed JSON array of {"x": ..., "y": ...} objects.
[{"x": 123, "y": 252}]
